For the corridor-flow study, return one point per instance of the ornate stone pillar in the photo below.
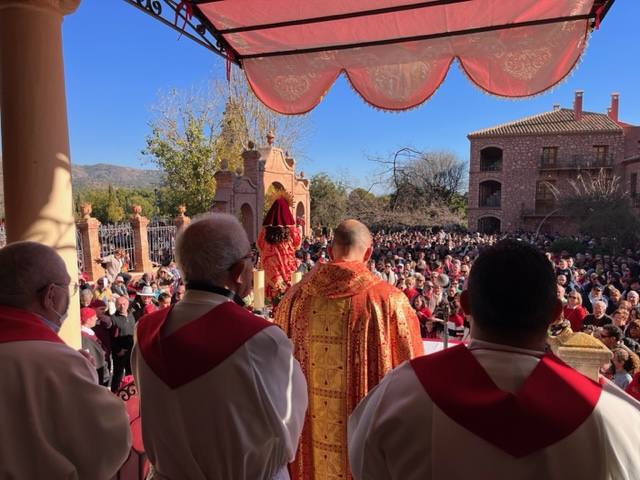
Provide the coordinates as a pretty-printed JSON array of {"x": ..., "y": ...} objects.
[
  {"x": 88, "y": 228},
  {"x": 181, "y": 221},
  {"x": 140, "y": 241},
  {"x": 35, "y": 138}
]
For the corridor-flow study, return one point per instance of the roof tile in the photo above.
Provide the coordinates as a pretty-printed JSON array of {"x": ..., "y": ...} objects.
[{"x": 557, "y": 121}]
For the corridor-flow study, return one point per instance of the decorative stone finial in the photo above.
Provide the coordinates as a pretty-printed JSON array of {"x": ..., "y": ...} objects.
[
  {"x": 85, "y": 210},
  {"x": 251, "y": 145},
  {"x": 224, "y": 165},
  {"x": 239, "y": 171},
  {"x": 137, "y": 210},
  {"x": 301, "y": 174},
  {"x": 270, "y": 137},
  {"x": 182, "y": 209}
]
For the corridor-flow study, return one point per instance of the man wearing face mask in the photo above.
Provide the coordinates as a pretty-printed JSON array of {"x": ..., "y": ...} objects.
[
  {"x": 221, "y": 395},
  {"x": 348, "y": 328},
  {"x": 52, "y": 407}
]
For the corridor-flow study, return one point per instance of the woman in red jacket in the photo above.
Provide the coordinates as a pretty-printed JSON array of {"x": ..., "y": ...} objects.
[{"x": 574, "y": 312}]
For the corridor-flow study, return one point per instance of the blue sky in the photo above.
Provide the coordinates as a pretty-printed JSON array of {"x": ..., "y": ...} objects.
[{"x": 117, "y": 60}]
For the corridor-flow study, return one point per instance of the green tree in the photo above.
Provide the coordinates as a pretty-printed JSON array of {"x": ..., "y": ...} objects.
[
  {"x": 234, "y": 134},
  {"x": 192, "y": 131},
  {"x": 113, "y": 211},
  {"x": 114, "y": 204},
  {"x": 183, "y": 144},
  {"x": 328, "y": 201}
]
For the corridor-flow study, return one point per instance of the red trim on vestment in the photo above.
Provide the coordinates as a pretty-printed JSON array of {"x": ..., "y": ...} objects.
[
  {"x": 18, "y": 325},
  {"x": 551, "y": 404},
  {"x": 199, "y": 346}
]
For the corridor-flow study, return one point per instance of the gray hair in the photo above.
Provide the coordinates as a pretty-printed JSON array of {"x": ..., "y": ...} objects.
[
  {"x": 601, "y": 303},
  {"x": 209, "y": 246},
  {"x": 25, "y": 268}
]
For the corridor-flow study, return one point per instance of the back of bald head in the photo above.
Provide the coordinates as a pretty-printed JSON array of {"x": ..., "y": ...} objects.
[
  {"x": 209, "y": 246},
  {"x": 351, "y": 237},
  {"x": 25, "y": 268}
]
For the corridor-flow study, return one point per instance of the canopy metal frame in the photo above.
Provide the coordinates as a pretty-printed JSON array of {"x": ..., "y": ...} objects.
[{"x": 199, "y": 29}]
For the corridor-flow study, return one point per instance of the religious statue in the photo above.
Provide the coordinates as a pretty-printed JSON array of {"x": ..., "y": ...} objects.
[{"x": 278, "y": 241}]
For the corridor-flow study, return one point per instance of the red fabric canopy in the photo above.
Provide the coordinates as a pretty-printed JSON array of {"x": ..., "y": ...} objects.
[{"x": 397, "y": 52}]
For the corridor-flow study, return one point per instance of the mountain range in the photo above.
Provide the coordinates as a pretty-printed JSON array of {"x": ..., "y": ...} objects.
[
  {"x": 103, "y": 174},
  {"x": 100, "y": 176}
]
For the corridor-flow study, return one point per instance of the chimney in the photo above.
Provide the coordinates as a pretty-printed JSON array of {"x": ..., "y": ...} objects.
[
  {"x": 577, "y": 105},
  {"x": 556, "y": 106},
  {"x": 613, "y": 110}
]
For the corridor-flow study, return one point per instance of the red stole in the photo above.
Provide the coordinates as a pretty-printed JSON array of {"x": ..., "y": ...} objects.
[
  {"x": 18, "y": 325},
  {"x": 551, "y": 404},
  {"x": 199, "y": 346}
]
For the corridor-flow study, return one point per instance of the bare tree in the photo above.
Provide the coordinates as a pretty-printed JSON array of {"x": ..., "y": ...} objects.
[
  {"x": 419, "y": 178},
  {"x": 291, "y": 131},
  {"x": 601, "y": 208}
]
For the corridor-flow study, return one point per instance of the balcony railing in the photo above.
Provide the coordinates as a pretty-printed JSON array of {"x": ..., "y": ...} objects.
[
  {"x": 492, "y": 201},
  {"x": 576, "y": 162},
  {"x": 495, "y": 166}
]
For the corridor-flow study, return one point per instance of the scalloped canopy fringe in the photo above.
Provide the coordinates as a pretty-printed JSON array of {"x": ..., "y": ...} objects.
[{"x": 396, "y": 53}]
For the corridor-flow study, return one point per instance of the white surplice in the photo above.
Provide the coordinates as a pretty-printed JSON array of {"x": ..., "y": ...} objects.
[
  {"x": 239, "y": 420},
  {"x": 398, "y": 432},
  {"x": 56, "y": 422}
]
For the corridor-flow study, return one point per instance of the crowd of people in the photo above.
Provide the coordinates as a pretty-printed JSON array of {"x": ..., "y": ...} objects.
[
  {"x": 348, "y": 351},
  {"x": 110, "y": 308},
  {"x": 600, "y": 292}
]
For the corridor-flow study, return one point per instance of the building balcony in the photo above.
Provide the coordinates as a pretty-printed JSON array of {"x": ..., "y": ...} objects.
[
  {"x": 576, "y": 162},
  {"x": 490, "y": 202}
]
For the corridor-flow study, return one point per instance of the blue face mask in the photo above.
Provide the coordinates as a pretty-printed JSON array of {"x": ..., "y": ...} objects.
[{"x": 50, "y": 324}]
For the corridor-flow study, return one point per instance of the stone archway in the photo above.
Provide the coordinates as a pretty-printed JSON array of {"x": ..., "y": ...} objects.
[
  {"x": 489, "y": 225},
  {"x": 490, "y": 194},
  {"x": 247, "y": 220},
  {"x": 273, "y": 191},
  {"x": 491, "y": 159},
  {"x": 300, "y": 213}
]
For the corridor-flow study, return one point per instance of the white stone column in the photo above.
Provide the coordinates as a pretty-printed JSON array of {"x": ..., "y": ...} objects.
[{"x": 35, "y": 137}]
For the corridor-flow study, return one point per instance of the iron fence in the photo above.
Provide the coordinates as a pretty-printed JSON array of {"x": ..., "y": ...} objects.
[
  {"x": 80, "y": 251},
  {"x": 119, "y": 235},
  {"x": 162, "y": 236}
]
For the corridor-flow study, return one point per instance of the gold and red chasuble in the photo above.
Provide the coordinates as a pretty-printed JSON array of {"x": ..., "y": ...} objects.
[{"x": 349, "y": 329}]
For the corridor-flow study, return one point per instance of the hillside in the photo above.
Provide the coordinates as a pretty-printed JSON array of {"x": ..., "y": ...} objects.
[{"x": 102, "y": 174}]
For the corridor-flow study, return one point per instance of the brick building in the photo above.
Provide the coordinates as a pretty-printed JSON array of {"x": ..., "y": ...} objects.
[{"x": 513, "y": 165}]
